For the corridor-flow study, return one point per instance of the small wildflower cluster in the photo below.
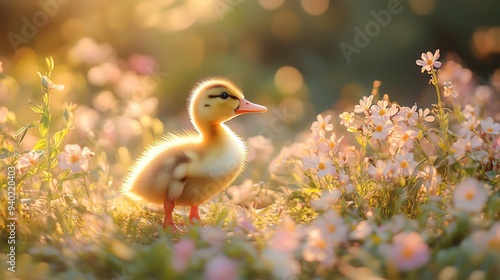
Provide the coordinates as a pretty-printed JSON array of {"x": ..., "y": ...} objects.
[{"x": 409, "y": 192}]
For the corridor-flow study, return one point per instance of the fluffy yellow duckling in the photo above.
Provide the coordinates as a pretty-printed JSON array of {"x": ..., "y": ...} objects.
[{"x": 191, "y": 167}]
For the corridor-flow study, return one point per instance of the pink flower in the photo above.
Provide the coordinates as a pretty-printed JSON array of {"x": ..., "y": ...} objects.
[
  {"x": 286, "y": 237},
  {"x": 429, "y": 61},
  {"x": 408, "y": 251},
  {"x": 221, "y": 268},
  {"x": 75, "y": 158},
  {"x": 470, "y": 196},
  {"x": 3, "y": 114},
  {"x": 183, "y": 250},
  {"x": 27, "y": 161}
]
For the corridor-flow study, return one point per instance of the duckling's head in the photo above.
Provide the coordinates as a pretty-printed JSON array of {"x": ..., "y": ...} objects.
[{"x": 216, "y": 100}]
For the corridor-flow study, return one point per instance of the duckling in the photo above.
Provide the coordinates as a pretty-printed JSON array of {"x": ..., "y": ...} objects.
[{"x": 191, "y": 167}]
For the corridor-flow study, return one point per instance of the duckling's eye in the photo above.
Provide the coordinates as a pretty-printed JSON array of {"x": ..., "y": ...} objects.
[{"x": 224, "y": 95}]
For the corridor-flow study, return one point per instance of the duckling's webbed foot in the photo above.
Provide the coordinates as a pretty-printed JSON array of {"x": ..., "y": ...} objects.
[
  {"x": 193, "y": 214},
  {"x": 169, "y": 206}
]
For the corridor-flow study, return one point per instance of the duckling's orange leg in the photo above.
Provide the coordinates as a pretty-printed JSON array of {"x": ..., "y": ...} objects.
[
  {"x": 193, "y": 214},
  {"x": 169, "y": 205}
]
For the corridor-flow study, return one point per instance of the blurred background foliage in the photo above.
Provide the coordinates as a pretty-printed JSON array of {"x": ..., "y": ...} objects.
[{"x": 284, "y": 54}]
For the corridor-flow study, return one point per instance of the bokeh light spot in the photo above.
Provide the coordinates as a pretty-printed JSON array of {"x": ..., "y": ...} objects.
[
  {"x": 423, "y": 7},
  {"x": 288, "y": 79},
  {"x": 315, "y": 7},
  {"x": 271, "y": 4},
  {"x": 285, "y": 25}
]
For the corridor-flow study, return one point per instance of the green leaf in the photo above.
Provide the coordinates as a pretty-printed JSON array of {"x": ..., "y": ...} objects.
[
  {"x": 36, "y": 108},
  {"x": 4, "y": 153},
  {"x": 44, "y": 125},
  {"x": 40, "y": 145},
  {"x": 59, "y": 137}
]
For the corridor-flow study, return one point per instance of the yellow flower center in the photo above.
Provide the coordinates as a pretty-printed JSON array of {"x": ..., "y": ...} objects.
[
  {"x": 321, "y": 243},
  {"x": 494, "y": 244},
  {"x": 469, "y": 195},
  {"x": 379, "y": 128},
  {"x": 405, "y": 137},
  {"x": 321, "y": 166},
  {"x": 404, "y": 164},
  {"x": 32, "y": 162},
  {"x": 382, "y": 112},
  {"x": 74, "y": 158},
  {"x": 408, "y": 115},
  {"x": 331, "y": 144},
  {"x": 331, "y": 228},
  {"x": 489, "y": 129},
  {"x": 407, "y": 252},
  {"x": 429, "y": 62}
]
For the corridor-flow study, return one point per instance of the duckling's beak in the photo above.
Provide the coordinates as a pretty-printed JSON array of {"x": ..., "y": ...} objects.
[{"x": 249, "y": 107}]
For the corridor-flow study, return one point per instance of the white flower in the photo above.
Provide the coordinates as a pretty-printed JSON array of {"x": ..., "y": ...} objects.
[
  {"x": 321, "y": 125},
  {"x": 364, "y": 105},
  {"x": 431, "y": 178},
  {"x": 429, "y": 61},
  {"x": 380, "y": 170},
  {"x": 321, "y": 164},
  {"x": 382, "y": 127},
  {"x": 362, "y": 231},
  {"x": 381, "y": 109},
  {"x": 403, "y": 137},
  {"x": 48, "y": 84},
  {"x": 424, "y": 115},
  {"x": 449, "y": 90},
  {"x": 327, "y": 199},
  {"x": 345, "y": 181},
  {"x": 332, "y": 227},
  {"x": 466, "y": 145},
  {"x": 27, "y": 161},
  {"x": 346, "y": 118},
  {"x": 75, "y": 158},
  {"x": 470, "y": 196},
  {"x": 318, "y": 249},
  {"x": 490, "y": 127},
  {"x": 407, "y": 115},
  {"x": 468, "y": 127},
  {"x": 470, "y": 111},
  {"x": 404, "y": 164}
]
